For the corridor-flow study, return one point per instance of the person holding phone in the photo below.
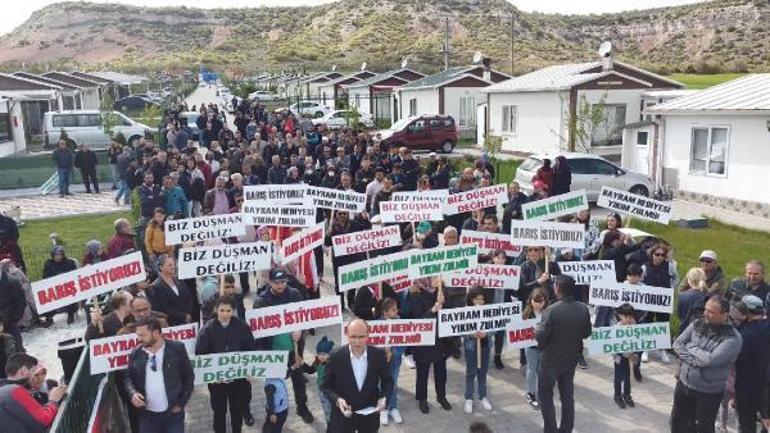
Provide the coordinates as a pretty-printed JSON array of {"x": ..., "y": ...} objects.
[{"x": 19, "y": 411}]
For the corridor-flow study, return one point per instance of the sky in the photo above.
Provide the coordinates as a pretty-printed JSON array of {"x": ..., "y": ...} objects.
[{"x": 16, "y": 12}]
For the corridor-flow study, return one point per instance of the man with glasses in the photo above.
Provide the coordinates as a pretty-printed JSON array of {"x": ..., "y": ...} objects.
[
  {"x": 159, "y": 380},
  {"x": 715, "y": 277}
]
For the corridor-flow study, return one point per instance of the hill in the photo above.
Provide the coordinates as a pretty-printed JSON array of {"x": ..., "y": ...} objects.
[{"x": 722, "y": 35}]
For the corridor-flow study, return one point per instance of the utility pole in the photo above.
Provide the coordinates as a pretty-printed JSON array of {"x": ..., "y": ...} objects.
[
  {"x": 446, "y": 43},
  {"x": 512, "y": 43}
]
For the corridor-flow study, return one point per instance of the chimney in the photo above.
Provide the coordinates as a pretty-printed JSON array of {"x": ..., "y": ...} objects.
[
  {"x": 607, "y": 63},
  {"x": 487, "y": 74}
]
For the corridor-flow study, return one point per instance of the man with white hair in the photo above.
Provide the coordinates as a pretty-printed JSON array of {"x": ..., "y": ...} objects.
[{"x": 216, "y": 201}]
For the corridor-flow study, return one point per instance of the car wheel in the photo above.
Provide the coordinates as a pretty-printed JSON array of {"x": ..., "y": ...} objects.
[
  {"x": 447, "y": 146},
  {"x": 639, "y": 190},
  {"x": 319, "y": 114},
  {"x": 133, "y": 139}
]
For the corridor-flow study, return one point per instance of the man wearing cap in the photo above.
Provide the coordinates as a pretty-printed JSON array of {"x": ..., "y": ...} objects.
[
  {"x": 280, "y": 293},
  {"x": 751, "y": 365},
  {"x": 707, "y": 349},
  {"x": 715, "y": 278},
  {"x": 752, "y": 283}
]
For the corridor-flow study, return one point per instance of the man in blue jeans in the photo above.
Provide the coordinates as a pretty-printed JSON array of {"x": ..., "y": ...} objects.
[
  {"x": 560, "y": 334},
  {"x": 63, "y": 158}
]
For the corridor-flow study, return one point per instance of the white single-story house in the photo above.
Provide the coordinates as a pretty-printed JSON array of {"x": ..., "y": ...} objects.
[
  {"x": 119, "y": 84},
  {"x": 712, "y": 146},
  {"x": 70, "y": 94},
  {"x": 308, "y": 87},
  {"x": 22, "y": 104},
  {"x": 454, "y": 92},
  {"x": 375, "y": 96},
  {"x": 533, "y": 112},
  {"x": 89, "y": 90},
  {"x": 334, "y": 90}
]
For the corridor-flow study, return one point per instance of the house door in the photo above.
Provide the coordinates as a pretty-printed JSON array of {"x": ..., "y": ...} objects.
[
  {"x": 642, "y": 149},
  {"x": 481, "y": 123}
]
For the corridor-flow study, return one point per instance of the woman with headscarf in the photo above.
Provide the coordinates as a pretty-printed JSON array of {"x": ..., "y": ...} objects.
[
  {"x": 562, "y": 177},
  {"x": 94, "y": 253},
  {"x": 59, "y": 264}
]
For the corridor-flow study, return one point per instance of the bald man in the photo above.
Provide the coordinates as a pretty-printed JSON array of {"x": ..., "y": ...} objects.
[{"x": 357, "y": 380}]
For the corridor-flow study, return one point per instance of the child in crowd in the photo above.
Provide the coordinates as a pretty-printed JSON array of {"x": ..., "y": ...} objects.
[
  {"x": 534, "y": 310},
  {"x": 276, "y": 391},
  {"x": 389, "y": 309},
  {"x": 634, "y": 277},
  {"x": 626, "y": 315},
  {"x": 472, "y": 344},
  {"x": 322, "y": 351}
]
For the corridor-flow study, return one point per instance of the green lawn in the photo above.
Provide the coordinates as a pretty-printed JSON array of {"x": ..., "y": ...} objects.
[
  {"x": 701, "y": 81},
  {"x": 73, "y": 231},
  {"x": 33, "y": 170}
]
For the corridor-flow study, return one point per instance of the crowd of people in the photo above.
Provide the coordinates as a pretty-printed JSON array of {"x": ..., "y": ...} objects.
[{"x": 722, "y": 345}]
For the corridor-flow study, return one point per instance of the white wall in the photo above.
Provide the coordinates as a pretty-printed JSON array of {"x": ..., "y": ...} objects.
[
  {"x": 748, "y": 156},
  {"x": 363, "y": 105},
  {"x": 19, "y": 141},
  {"x": 539, "y": 124},
  {"x": 427, "y": 101},
  {"x": 452, "y": 103}
]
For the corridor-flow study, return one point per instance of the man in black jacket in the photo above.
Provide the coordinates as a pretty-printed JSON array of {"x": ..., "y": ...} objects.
[
  {"x": 560, "y": 335},
  {"x": 357, "y": 378},
  {"x": 159, "y": 379},
  {"x": 226, "y": 333},
  {"x": 85, "y": 160}
]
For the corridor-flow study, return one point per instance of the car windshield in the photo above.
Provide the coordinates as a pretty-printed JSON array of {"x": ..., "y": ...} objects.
[
  {"x": 531, "y": 164},
  {"x": 400, "y": 124}
]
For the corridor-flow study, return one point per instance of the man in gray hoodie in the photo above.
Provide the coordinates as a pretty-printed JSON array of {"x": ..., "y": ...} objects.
[{"x": 706, "y": 349}]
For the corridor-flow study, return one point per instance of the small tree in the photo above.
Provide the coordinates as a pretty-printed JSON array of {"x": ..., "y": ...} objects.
[
  {"x": 151, "y": 115},
  {"x": 109, "y": 119},
  {"x": 352, "y": 117},
  {"x": 588, "y": 119}
]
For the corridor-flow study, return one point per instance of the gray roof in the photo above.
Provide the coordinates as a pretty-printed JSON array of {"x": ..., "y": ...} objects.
[
  {"x": 440, "y": 78},
  {"x": 750, "y": 93},
  {"x": 380, "y": 77}
]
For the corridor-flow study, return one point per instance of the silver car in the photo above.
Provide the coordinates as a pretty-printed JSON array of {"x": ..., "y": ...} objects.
[{"x": 589, "y": 172}]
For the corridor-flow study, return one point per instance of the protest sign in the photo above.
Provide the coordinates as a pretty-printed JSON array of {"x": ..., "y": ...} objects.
[
  {"x": 374, "y": 270},
  {"x": 295, "y": 316},
  {"x": 484, "y": 318},
  {"x": 555, "y": 206},
  {"x": 410, "y": 211},
  {"x": 399, "y": 283},
  {"x": 442, "y": 260},
  {"x": 111, "y": 353},
  {"x": 629, "y": 338},
  {"x": 299, "y": 243},
  {"x": 85, "y": 283},
  {"x": 490, "y": 241},
  {"x": 398, "y": 332},
  {"x": 588, "y": 271},
  {"x": 336, "y": 199},
  {"x": 635, "y": 205},
  {"x": 227, "y": 366},
  {"x": 641, "y": 297},
  {"x": 479, "y": 198},
  {"x": 268, "y": 214},
  {"x": 368, "y": 240},
  {"x": 291, "y": 194},
  {"x": 521, "y": 333},
  {"x": 487, "y": 276},
  {"x": 440, "y": 195},
  {"x": 547, "y": 234},
  {"x": 224, "y": 259},
  {"x": 204, "y": 228}
]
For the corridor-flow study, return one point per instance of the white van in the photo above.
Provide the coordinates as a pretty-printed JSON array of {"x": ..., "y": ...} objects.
[{"x": 86, "y": 127}]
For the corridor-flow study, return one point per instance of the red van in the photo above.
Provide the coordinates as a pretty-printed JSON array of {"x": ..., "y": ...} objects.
[{"x": 426, "y": 132}]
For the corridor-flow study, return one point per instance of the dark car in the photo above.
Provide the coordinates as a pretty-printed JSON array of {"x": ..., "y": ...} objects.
[
  {"x": 426, "y": 132},
  {"x": 133, "y": 102}
]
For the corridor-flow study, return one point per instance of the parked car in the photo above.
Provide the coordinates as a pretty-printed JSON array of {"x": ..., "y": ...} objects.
[
  {"x": 134, "y": 102},
  {"x": 589, "y": 172},
  {"x": 425, "y": 132},
  {"x": 191, "y": 118},
  {"x": 264, "y": 96},
  {"x": 343, "y": 118},
  {"x": 87, "y": 126},
  {"x": 314, "y": 108}
]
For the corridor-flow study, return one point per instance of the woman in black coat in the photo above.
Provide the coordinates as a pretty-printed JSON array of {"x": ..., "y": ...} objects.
[
  {"x": 59, "y": 264},
  {"x": 169, "y": 295},
  {"x": 562, "y": 177}
]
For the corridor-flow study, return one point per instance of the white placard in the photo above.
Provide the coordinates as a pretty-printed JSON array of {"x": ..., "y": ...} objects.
[
  {"x": 487, "y": 276},
  {"x": 268, "y": 214},
  {"x": 588, "y": 271},
  {"x": 479, "y": 198},
  {"x": 398, "y": 332},
  {"x": 291, "y": 194},
  {"x": 224, "y": 259},
  {"x": 295, "y": 316},
  {"x": 368, "y": 240},
  {"x": 204, "y": 228},
  {"x": 111, "y": 353},
  {"x": 521, "y": 334},
  {"x": 484, "y": 318},
  {"x": 374, "y": 270},
  {"x": 410, "y": 211},
  {"x": 85, "y": 283},
  {"x": 487, "y": 242},
  {"x": 555, "y": 206},
  {"x": 547, "y": 234},
  {"x": 299, "y": 243},
  {"x": 440, "y": 195},
  {"x": 635, "y": 205},
  {"x": 228, "y": 366},
  {"x": 641, "y": 297},
  {"x": 610, "y": 340},
  {"x": 442, "y": 260},
  {"x": 336, "y": 199}
]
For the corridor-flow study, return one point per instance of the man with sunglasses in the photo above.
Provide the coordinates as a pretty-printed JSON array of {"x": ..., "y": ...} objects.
[
  {"x": 159, "y": 380},
  {"x": 715, "y": 277}
]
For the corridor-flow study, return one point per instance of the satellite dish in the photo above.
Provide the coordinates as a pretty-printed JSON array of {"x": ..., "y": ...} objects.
[
  {"x": 334, "y": 67},
  {"x": 605, "y": 49},
  {"x": 363, "y": 66},
  {"x": 404, "y": 62},
  {"x": 478, "y": 57}
]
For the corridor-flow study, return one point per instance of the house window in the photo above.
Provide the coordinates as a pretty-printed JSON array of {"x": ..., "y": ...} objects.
[
  {"x": 467, "y": 111},
  {"x": 5, "y": 127},
  {"x": 510, "y": 118},
  {"x": 708, "y": 151},
  {"x": 641, "y": 138},
  {"x": 610, "y": 132},
  {"x": 358, "y": 101},
  {"x": 412, "y": 107}
]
